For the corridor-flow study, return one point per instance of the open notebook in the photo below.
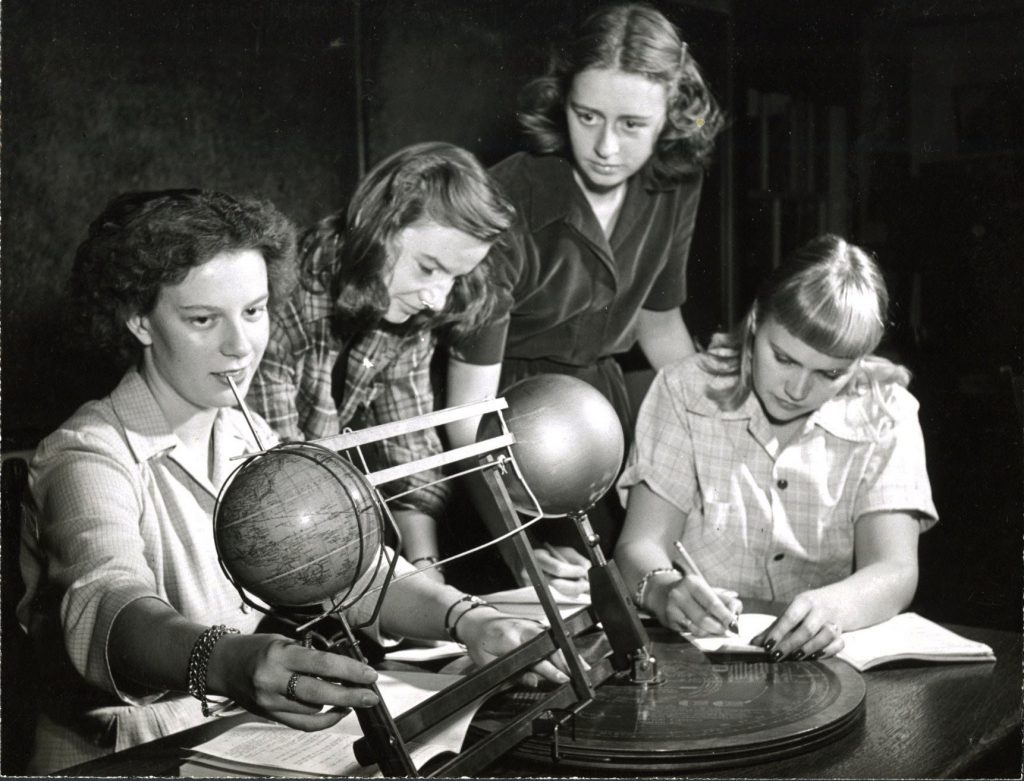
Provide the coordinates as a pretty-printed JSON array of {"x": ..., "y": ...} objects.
[
  {"x": 270, "y": 749},
  {"x": 906, "y": 636}
]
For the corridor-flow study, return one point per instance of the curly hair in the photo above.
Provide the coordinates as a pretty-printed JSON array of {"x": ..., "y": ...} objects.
[
  {"x": 349, "y": 255},
  {"x": 829, "y": 294},
  {"x": 143, "y": 241},
  {"x": 633, "y": 38}
]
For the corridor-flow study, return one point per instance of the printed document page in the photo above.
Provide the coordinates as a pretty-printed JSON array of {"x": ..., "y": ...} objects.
[{"x": 274, "y": 749}]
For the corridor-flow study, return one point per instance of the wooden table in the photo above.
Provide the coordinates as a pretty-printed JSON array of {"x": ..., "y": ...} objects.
[{"x": 921, "y": 721}]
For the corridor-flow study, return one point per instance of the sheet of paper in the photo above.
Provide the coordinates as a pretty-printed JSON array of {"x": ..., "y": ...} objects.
[
  {"x": 524, "y": 602},
  {"x": 426, "y": 653},
  {"x": 304, "y": 759},
  {"x": 527, "y": 595},
  {"x": 905, "y": 636},
  {"x": 750, "y": 625},
  {"x": 329, "y": 752}
]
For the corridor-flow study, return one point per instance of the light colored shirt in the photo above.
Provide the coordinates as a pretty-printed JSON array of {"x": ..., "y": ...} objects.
[
  {"x": 114, "y": 516},
  {"x": 311, "y": 384},
  {"x": 771, "y": 522}
]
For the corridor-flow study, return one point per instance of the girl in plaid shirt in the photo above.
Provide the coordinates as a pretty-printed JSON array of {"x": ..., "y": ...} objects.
[
  {"x": 789, "y": 463},
  {"x": 379, "y": 281}
]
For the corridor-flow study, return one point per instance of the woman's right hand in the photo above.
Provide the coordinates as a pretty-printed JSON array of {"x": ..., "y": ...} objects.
[
  {"x": 255, "y": 672},
  {"x": 689, "y": 604},
  {"x": 489, "y": 633}
]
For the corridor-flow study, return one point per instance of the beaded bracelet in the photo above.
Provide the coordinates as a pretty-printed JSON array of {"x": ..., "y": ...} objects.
[
  {"x": 641, "y": 587},
  {"x": 199, "y": 659}
]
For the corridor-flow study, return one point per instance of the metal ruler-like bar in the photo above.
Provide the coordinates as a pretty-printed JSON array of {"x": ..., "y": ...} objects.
[
  {"x": 439, "y": 460},
  {"x": 429, "y": 420}
]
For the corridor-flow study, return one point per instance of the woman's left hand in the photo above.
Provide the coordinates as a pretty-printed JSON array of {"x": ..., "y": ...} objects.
[
  {"x": 566, "y": 568},
  {"x": 488, "y": 633},
  {"x": 808, "y": 629}
]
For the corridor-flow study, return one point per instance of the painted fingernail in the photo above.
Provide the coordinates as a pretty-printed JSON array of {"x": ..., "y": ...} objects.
[
  {"x": 796, "y": 656},
  {"x": 775, "y": 656},
  {"x": 768, "y": 644},
  {"x": 734, "y": 628},
  {"x": 816, "y": 655}
]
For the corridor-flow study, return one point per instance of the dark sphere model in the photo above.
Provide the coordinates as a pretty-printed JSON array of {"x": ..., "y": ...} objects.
[
  {"x": 569, "y": 443},
  {"x": 297, "y": 525}
]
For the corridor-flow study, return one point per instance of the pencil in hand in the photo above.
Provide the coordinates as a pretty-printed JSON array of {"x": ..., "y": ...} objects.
[{"x": 690, "y": 566}]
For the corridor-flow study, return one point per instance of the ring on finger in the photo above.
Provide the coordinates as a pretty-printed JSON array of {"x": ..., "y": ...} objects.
[{"x": 290, "y": 691}]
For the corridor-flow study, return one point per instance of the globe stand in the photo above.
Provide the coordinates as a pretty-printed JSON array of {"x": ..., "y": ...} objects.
[
  {"x": 610, "y": 601},
  {"x": 611, "y": 608},
  {"x": 379, "y": 729},
  {"x": 549, "y": 713},
  {"x": 626, "y": 634},
  {"x": 385, "y": 738}
]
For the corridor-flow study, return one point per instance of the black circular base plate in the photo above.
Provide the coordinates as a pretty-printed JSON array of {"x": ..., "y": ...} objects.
[{"x": 703, "y": 714}]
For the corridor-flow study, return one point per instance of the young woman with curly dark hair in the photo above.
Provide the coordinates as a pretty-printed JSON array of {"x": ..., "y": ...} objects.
[
  {"x": 144, "y": 241},
  {"x": 133, "y": 617},
  {"x": 620, "y": 125}
]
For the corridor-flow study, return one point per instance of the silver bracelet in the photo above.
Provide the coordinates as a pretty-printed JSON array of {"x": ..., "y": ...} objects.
[
  {"x": 199, "y": 659},
  {"x": 641, "y": 586}
]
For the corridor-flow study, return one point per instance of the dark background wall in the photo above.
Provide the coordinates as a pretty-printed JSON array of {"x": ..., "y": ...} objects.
[
  {"x": 288, "y": 100},
  {"x": 102, "y": 96},
  {"x": 105, "y": 96}
]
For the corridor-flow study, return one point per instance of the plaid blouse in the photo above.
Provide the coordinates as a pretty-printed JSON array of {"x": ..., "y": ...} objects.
[
  {"x": 765, "y": 522},
  {"x": 310, "y": 385}
]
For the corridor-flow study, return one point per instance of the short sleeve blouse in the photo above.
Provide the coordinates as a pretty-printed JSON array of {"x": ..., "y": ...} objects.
[
  {"x": 768, "y": 522},
  {"x": 567, "y": 292}
]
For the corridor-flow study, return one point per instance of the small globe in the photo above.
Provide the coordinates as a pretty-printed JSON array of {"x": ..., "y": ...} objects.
[
  {"x": 297, "y": 525},
  {"x": 569, "y": 443}
]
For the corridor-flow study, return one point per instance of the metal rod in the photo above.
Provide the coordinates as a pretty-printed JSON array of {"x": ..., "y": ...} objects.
[
  {"x": 427, "y": 420},
  {"x": 245, "y": 412},
  {"x": 438, "y": 460}
]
